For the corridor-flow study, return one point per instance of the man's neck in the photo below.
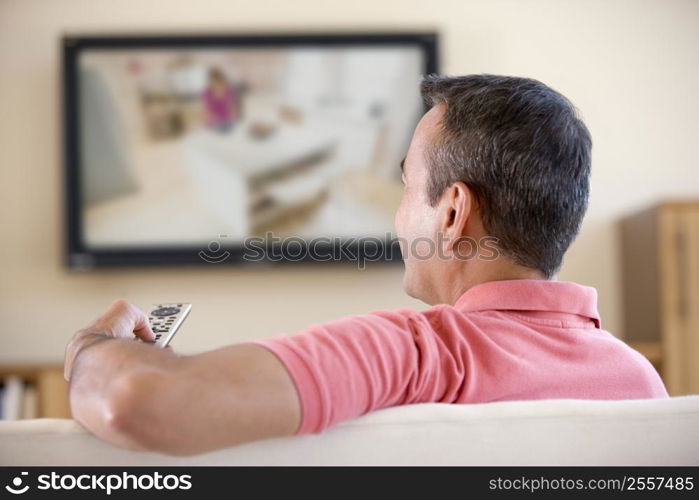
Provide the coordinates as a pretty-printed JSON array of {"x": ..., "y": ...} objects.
[{"x": 468, "y": 277}]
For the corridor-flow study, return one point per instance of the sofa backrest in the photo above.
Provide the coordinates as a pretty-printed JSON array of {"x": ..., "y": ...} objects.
[{"x": 551, "y": 432}]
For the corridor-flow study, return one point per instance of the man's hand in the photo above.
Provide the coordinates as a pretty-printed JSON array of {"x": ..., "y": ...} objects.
[
  {"x": 110, "y": 375},
  {"x": 121, "y": 320}
]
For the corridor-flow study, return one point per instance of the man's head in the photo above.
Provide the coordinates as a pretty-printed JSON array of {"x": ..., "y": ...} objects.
[{"x": 495, "y": 156}]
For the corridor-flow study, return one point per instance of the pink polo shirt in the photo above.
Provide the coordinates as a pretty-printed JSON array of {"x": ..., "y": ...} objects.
[{"x": 501, "y": 341}]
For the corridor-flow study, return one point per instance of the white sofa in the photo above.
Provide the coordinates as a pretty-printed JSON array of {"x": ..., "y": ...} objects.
[{"x": 553, "y": 432}]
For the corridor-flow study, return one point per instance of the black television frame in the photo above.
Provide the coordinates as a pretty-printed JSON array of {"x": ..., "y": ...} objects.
[{"x": 77, "y": 256}]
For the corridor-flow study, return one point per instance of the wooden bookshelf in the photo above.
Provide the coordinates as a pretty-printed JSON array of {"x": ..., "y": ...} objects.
[
  {"x": 660, "y": 263},
  {"x": 51, "y": 387},
  {"x": 653, "y": 351}
]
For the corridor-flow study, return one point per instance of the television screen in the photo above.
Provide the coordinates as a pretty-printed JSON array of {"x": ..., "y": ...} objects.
[{"x": 187, "y": 149}]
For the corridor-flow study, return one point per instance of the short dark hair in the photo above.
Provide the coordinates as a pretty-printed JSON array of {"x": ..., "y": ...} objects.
[{"x": 524, "y": 152}]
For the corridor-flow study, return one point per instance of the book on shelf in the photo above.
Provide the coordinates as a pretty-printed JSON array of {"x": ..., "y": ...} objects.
[
  {"x": 12, "y": 398},
  {"x": 30, "y": 403},
  {"x": 33, "y": 391}
]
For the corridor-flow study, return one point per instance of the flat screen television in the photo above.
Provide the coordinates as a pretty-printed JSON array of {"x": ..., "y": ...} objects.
[{"x": 237, "y": 148}]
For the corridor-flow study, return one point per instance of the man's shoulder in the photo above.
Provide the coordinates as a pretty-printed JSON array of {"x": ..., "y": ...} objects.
[{"x": 433, "y": 318}]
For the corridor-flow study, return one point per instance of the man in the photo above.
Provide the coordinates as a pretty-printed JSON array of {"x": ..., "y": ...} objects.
[{"x": 496, "y": 159}]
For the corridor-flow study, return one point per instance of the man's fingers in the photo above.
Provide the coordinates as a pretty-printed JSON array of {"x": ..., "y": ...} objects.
[
  {"x": 123, "y": 320},
  {"x": 141, "y": 326}
]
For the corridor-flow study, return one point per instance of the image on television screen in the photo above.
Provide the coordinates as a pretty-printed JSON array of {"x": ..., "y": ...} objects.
[{"x": 179, "y": 146}]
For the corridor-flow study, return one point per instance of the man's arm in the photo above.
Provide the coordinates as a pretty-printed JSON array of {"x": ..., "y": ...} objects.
[{"x": 142, "y": 397}]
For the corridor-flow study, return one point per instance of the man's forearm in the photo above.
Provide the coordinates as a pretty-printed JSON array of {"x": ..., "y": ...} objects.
[
  {"x": 141, "y": 397},
  {"x": 103, "y": 378}
]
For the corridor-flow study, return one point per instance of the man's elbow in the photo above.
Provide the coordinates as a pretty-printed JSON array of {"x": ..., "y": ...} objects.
[{"x": 134, "y": 416}]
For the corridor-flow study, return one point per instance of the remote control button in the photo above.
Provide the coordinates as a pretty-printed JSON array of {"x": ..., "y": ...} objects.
[{"x": 165, "y": 311}]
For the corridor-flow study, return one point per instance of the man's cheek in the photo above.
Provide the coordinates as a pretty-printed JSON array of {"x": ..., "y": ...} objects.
[
  {"x": 400, "y": 227},
  {"x": 398, "y": 219}
]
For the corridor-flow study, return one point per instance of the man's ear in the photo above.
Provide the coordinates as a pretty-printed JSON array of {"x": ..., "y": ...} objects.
[{"x": 456, "y": 205}]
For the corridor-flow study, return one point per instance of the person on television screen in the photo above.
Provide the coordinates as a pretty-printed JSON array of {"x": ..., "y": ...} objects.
[
  {"x": 219, "y": 99},
  {"x": 500, "y": 164}
]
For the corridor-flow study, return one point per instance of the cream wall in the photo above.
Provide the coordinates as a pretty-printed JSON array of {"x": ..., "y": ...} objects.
[{"x": 630, "y": 66}]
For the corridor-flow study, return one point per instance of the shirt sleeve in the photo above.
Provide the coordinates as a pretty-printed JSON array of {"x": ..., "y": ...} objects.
[{"x": 351, "y": 366}]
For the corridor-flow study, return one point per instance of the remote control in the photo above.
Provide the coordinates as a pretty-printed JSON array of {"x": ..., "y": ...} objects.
[{"x": 165, "y": 320}]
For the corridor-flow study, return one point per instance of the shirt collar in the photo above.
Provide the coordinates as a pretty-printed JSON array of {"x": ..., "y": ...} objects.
[{"x": 532, "y": 295}]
